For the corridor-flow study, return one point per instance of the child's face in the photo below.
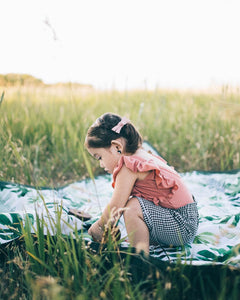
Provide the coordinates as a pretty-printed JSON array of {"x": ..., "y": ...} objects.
[{"x": 108, "y": 157}]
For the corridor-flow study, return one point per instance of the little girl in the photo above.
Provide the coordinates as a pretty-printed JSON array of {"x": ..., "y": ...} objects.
[{"x": 157, "y": 207}]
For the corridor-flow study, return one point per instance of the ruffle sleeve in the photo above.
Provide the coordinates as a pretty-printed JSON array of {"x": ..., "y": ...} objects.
[
  {"x": 165, "y": 177},
  {"x": 133, "y": 163}
]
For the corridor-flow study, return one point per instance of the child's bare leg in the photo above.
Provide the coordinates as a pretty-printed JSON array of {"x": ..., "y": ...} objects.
[{"x": 136, "y": 227}]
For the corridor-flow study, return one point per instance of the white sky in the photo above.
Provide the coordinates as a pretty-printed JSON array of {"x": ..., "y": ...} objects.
[{"x": 123, "y": 43}]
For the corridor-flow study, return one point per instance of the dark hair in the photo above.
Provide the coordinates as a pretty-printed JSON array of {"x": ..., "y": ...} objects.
[{"x": 100, "y": 134}]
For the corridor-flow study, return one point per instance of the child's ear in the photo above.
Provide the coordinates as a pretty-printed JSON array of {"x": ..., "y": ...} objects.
[{"x": 117, "y": 144}]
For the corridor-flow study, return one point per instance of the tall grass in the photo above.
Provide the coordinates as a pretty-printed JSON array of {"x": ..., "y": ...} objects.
[
  {"x": 42, "y": 130},
  {"x": 42, "y": 266},
  {"x": 54, "y": 267}
]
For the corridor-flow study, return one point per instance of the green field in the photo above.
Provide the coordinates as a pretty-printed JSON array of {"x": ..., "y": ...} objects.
[{"x": 42, "y": 130}]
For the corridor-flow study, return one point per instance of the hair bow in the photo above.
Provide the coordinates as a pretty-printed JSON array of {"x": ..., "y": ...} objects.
[{"x": 120, "y": 125}]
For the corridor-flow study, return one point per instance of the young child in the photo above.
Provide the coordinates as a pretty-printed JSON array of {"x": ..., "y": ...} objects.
[{"x": 157, "y": 207}]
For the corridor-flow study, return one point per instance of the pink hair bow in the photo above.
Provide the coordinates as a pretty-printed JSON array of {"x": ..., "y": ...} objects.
[{"x": 120, "y": 125}]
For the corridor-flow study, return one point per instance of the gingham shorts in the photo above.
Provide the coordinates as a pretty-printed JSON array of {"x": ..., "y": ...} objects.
[{"x": 170, "y": 227}]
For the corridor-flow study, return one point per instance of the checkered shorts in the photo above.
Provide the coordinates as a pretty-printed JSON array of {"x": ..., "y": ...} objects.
[{"x": 168, "y": 226}]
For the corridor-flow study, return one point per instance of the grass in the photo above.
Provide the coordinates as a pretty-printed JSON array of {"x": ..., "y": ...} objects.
[
  {"x": 41, "y": 143},
  {"x": 42, "y": 130},
  {"x": 42, "y": 266}
]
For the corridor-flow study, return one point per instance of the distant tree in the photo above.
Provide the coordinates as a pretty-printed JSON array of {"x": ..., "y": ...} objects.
[{"x": 12, "y": 79}]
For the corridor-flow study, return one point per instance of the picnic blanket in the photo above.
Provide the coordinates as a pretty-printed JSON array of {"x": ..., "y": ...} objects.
[{"x": 217, "y": 195}]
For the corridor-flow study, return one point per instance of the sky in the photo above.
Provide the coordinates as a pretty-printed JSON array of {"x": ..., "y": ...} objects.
[{"x": 123, "y": 44}]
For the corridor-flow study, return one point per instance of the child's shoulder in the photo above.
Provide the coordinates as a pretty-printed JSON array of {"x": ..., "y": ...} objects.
[
  {"x": 142, "y": 154},
  {"x": 148, "y": 161},
  {"x": 146, "y": 156},
  {"x": 139, "y": 157},
  {"x": 137, "y": 163},
  {"x": 140, "y": 161}
]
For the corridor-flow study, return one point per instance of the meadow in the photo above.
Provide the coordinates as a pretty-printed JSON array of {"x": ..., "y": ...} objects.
[{"x": 42, "y": 132}]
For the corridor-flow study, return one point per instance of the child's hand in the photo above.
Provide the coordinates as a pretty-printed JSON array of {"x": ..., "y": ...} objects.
[{"x": 96, "y": 232}]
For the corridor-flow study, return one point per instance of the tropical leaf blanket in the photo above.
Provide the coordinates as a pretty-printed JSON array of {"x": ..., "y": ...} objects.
[{"x": 217, "y": 194}]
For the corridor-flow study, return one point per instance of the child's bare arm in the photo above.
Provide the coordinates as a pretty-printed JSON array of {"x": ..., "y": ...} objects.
[
  {"x": 124, "y": 184},
  {"x": 123, "y": 187}
]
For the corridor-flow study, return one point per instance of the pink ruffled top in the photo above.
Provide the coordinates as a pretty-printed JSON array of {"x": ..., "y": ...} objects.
[{"x": 163, "y": 185}]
